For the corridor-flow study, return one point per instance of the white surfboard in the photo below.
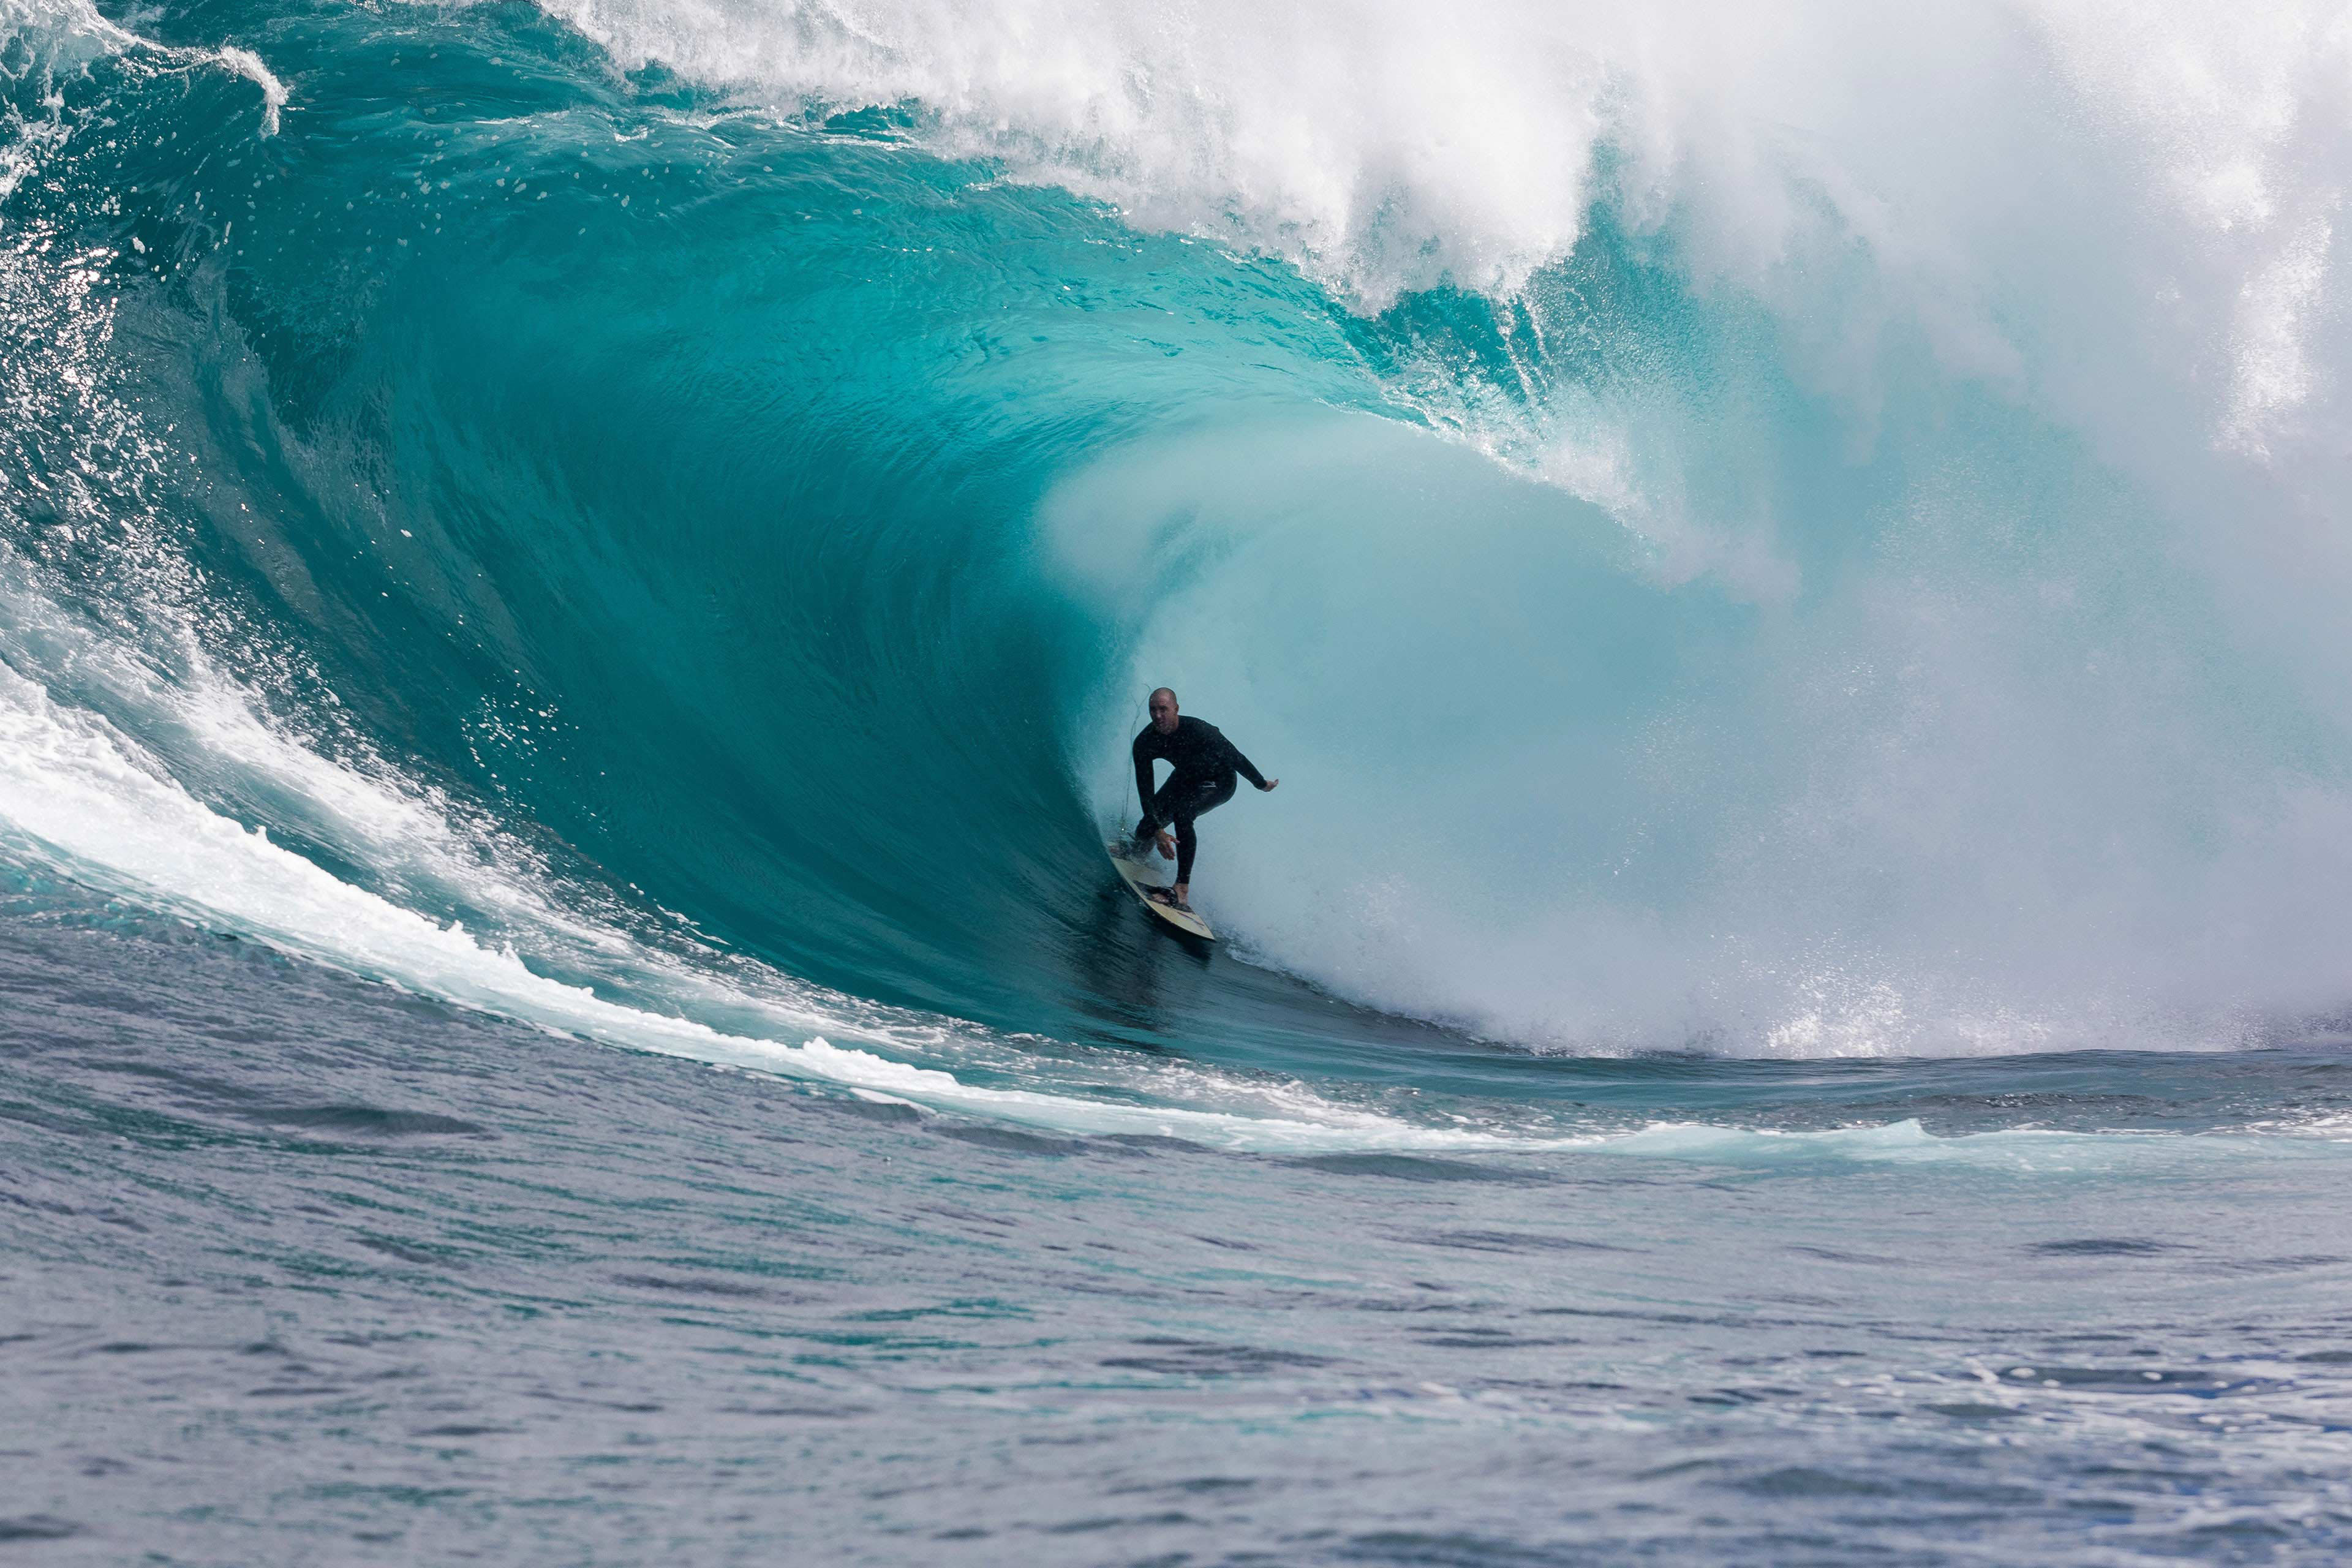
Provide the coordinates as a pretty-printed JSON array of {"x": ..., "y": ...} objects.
[{"x": 1141, "y": 879}]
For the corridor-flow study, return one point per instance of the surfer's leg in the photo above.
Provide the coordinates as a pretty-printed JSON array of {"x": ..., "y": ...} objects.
[{"x": 1202, "y": 798}]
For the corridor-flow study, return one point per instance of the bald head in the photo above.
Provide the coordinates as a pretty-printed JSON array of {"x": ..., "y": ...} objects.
[{"x": 1163, "y": 710}]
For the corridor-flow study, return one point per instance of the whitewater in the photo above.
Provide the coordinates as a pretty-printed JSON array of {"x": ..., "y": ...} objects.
[{"x": 576, "y": 580}]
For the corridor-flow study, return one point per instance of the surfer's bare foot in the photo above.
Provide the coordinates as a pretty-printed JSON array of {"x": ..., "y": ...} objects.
[{"x": 1183, "y": 899}]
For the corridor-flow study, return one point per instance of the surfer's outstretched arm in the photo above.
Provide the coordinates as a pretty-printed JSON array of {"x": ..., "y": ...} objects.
[{"x": 1244, "y": 767}]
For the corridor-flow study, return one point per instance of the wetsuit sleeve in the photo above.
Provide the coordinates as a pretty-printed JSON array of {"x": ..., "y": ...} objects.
[
  {"x": 1144, "y": 782},
  {"x": 1241, "y": 765}
]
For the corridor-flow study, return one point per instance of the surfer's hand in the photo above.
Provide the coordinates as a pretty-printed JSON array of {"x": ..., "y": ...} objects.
[
  {"x": 1269, "y": 783},
  {"x": 1167, "y": 847}
]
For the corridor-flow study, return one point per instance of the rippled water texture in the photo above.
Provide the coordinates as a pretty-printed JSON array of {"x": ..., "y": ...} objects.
[
  {"x": 302, "y": 1269},
  {"x": 573, "y": 584}
]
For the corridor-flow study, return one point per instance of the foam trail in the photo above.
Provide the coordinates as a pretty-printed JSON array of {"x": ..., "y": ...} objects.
[
  {"x": 80, "y": 796},
  {"x": 75, "y": 793},
  {"x": 75, "y": 31},
  {"x": 248, "y": 65},
  {"x": 68, "y": 784}
]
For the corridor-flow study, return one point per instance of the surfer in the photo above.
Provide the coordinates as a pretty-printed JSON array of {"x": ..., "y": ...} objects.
[{"x": 1205, "y": 764}]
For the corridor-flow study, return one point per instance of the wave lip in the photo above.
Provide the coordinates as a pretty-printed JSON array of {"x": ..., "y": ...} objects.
[{"x": 70, "y": 33}]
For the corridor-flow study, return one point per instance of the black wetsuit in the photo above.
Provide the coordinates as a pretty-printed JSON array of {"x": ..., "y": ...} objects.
[{"x": 1205, "y": 765}]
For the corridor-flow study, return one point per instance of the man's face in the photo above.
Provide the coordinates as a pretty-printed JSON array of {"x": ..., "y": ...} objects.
[{"x": 1163, "y": 714}]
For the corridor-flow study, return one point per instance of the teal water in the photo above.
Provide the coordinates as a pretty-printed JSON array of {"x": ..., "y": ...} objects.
[{"x": 1789, "y": 1007}]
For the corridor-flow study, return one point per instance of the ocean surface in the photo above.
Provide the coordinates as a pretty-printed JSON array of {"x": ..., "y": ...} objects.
[{"x": 574, "y": 583}]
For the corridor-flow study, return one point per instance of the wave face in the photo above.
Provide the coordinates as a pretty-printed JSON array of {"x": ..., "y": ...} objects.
[{"x": 1820, "y": 536}]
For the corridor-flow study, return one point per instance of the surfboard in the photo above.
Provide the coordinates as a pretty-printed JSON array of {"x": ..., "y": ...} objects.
[{"x": 1140, "y": 879}]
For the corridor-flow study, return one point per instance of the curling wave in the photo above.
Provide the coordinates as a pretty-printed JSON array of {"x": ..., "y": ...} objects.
[{"x": 677, "y": 510}]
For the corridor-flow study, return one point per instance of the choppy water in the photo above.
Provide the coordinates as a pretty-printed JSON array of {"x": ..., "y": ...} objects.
[
  {"x": 574, "y": 580},
  {"x": 304, "y": 1270}
]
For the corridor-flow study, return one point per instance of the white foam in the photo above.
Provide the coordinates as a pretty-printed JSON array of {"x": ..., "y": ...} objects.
[
  {"x": 95, "y": 804},
  {"x": 248, "y": 65},
  {"x": 1388, "y": 145},
  {"x": 74, "y": 31},
  {"x": 73, "y": 791},
  {"x": 76, "y": 792}
]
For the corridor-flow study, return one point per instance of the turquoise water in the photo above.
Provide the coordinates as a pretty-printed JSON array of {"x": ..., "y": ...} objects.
[{"x": 574, "y": 584}]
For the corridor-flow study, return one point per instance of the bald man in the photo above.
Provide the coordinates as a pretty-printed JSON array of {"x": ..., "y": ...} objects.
[{"x": 1205, "y": 764}]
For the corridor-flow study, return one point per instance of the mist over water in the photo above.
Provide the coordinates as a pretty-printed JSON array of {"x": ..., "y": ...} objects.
[{"x": 1875, "y": 650}]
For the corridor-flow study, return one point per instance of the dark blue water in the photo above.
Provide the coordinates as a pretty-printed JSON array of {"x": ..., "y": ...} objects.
[
  {"x": 573, "y": 584},
  {"x": 301, "y": 1268}
]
